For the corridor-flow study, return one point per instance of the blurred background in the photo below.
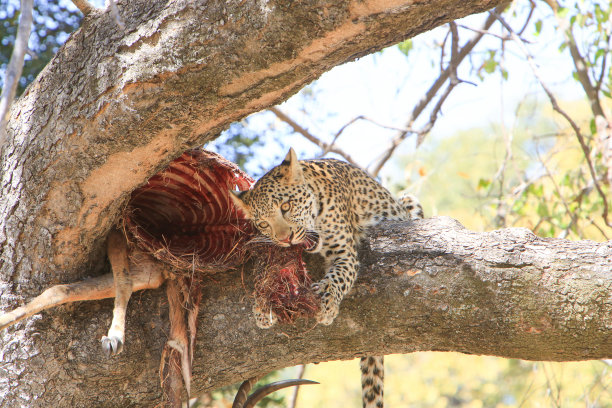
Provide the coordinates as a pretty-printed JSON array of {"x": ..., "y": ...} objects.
[{"x": 498, "y": 120}]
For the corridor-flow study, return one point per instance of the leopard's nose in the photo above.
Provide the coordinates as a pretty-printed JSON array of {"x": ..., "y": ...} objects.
[{"x": 288, "y": 239}]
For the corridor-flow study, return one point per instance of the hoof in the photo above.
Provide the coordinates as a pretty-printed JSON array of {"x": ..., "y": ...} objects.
[{"x": 112, "y": 345}]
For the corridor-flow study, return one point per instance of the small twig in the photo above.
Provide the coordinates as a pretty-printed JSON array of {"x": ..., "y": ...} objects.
[
  {"x": 603, "y": 233},
  {"x": 500, "y": 175},
  {"x": 454, "y": 52},
  {"x": 15, "y": 66},
  {"x": 571, "y": 214},
  {"x": 585, "y": 149},
  {"x": 309, "y": 136},
  {"x": 532, "y": 7},
  {"x": 603, "y": 71},
  {"x": 433, "y": 117},
  {"x": 32, "y": 54},
  {"x": 365, "y": 118},
  {"x": 84, "y": 6},
  {"x": 484, "y": 32},
  {"x": 442, "y": 50}
]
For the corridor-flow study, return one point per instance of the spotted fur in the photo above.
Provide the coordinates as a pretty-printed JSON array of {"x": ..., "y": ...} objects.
[{"x": 326, "y": 205}]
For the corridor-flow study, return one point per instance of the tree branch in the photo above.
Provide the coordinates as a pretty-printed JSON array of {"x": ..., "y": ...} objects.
[
  {"x": 115, "y": 106},
  {"x": 325, "y": 147},
  {"x": 84, "y": 6},
  {"x": 580, "y": 64},
  {"x": 430, "y": 94},
  {"x": 423, "y": 285},
  {"x": 15, "y": 66},
  {"x": 555, "y": 105}
]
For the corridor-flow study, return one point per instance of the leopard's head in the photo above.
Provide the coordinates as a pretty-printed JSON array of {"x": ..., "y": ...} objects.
[{"x": 282, "y": 206}]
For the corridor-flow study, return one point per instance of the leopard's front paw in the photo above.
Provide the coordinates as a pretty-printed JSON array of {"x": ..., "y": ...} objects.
[
  {"x": 264, "y": 320},
  {"x": 330, "y": 302}
]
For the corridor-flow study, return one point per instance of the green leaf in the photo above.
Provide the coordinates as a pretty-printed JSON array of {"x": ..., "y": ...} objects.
[
  {"x": 593, "y": 126},
  {"x": 489, "y": 66},
  {"x": 483, "y": 183},
  {"x": 538, "y": 190},
  {"x": 405, "y": 46},
  {"x": 566, "y": 180},
  {"x": 573, "y": 206},
  {"x": 538, "y": 27}
]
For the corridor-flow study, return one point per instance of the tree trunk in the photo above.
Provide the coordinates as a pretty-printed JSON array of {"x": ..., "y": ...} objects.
[{"x": 114, "y": 107}]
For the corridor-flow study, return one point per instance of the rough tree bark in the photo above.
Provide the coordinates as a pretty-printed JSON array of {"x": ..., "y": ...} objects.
[
  {"x": 115, "y": 106},
  {"x": 423, "y": 285}
]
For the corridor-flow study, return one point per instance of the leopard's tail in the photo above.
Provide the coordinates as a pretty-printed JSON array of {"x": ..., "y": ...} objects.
[
  {"x": 412, "y": 205},
  {"x": 372, "y": 377}
]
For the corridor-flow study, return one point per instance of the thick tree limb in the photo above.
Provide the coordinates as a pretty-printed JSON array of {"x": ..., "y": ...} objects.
[{"x": 424, "y": 285}]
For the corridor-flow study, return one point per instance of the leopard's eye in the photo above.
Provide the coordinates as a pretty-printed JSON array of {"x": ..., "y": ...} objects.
[
  {"x": 286, "y": 206},
  {"x": 263, "y": 225}
]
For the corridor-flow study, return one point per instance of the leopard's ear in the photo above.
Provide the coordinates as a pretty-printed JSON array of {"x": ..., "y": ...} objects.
[
  {"x": 237, "y": 199},
  {"x": 292, "y": 168}
]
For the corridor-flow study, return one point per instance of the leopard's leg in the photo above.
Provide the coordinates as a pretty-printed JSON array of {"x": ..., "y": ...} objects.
[
  {"x": 332, "y": 289},
  {"x": 412, "y": 206},
  {"x": 372, "y": 377},
  {"x": 340, "y": 276},
  {"x": 263, "y": 319}
]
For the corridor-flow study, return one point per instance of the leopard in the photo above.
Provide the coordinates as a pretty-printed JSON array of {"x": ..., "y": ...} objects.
[{"x": 325, "y": 205}]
